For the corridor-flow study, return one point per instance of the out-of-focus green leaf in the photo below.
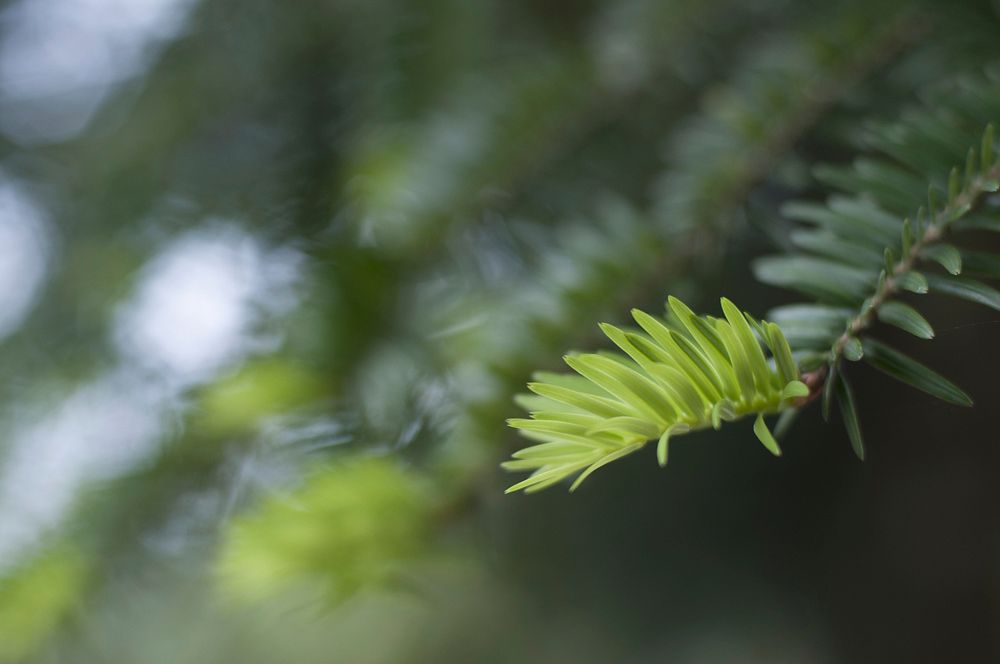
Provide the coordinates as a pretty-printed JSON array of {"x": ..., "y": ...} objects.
[
  {"x": 828, "y": 281},
  {"x": 350, "y": 526},
  {"x": 35, "y": 597},
  {"x": 849, "y": 411},
  {"x": 967, "y": 289},
  {"x": 909, "y": 371}
]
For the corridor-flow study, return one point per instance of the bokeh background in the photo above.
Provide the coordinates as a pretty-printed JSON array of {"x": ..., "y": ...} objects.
[{"x": 272, "y": 272}]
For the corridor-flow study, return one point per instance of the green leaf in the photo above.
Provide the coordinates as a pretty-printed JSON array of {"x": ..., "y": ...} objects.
[
  {"x": 758, "y": 328},
  {"x": 602, "y": 406},
  {"x": 558, "y": 448},
  {"x": 849, "y": 411},
  {"x": 783, "y": 360},
  {"x": 967, "y": 289},
  {"x": 889, "y": 261},
  {"x": 842, "y": 222},
  {"x": 808, "y": 326},
  {"x": 681, "y": 391},
  {"x": 794, "y": 389},
  {"x": 547, "y": 426},
  {"x": 619, "y": 338},
  {"x": 893, "y": 187},
  {"x": 624, "y": 427},
  {"x": 629, "y": 386},
  {"x": 740, "y": 362},
  {"x": 684, "y": 355},
  {"x": 909, "y": 371},
  {"x": 912, "y": 281},
  {"x": 946, "y": 255},
  {"x": 662, "y": 448},
  {"x": 702, "y": 382},
  {"x": 809, "y": 360},
  {"x": 970, "y": 167},
  {"x": 828, "y": 392},
  {"x": 959, "y": 211},
  {"x": 724, "y": 410},
  {"x": 662, "y": 445},
  {"x": 921, "y": 226},
  {"x": 853, "y": 350},
  {"x": 932, "y": 203},
  {"x": 825, "y": 280},
  {"x": 647, "y": 348},
  {"x": 613, "y": 456},
  {"x": 979, "y": 222},
  {"x": 826, "y": 244},
  {"x": 750, "y": 345},
  {"x": 548, "y": 476},
  {"x": 826, "y": 317},
  {"x": 785, "y": 421},
  {"x": 702, "y": 363},
  {"x": 905, "y": 318},
  {"x": 653, "y": 327},
  {"x": 868, "y": 214},
  {"x": 707, "y": 341},
  {"x": 765, "y": 437}
]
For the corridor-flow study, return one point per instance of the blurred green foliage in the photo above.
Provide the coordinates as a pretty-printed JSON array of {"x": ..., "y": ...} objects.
[
  {"x": 348, "y": 527},
  {"x": 36, "y": 597},
  {"x": 236, "y": 404}
]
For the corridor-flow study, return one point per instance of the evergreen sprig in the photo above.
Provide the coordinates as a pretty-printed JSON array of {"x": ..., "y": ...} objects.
[
  {"x": 888, "y": 235},
  {"x": 676, "y": 375},
  {"x": 855, "y": 256}
]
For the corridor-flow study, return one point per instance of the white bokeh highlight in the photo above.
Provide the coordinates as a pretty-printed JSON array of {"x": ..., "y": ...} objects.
[
  {"x": 60, "y": 59},
  {"x": 200, "y": 306},
  {"x": 196, "y": 305},
  {"x": 24, "y": 254}
]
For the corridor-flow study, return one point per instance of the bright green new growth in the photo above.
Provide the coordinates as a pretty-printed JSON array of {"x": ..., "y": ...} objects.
[{"x": 686, "y": 373}]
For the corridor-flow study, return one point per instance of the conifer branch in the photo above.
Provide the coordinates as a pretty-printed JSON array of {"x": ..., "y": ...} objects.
[{"x": 937, "y": 229}]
